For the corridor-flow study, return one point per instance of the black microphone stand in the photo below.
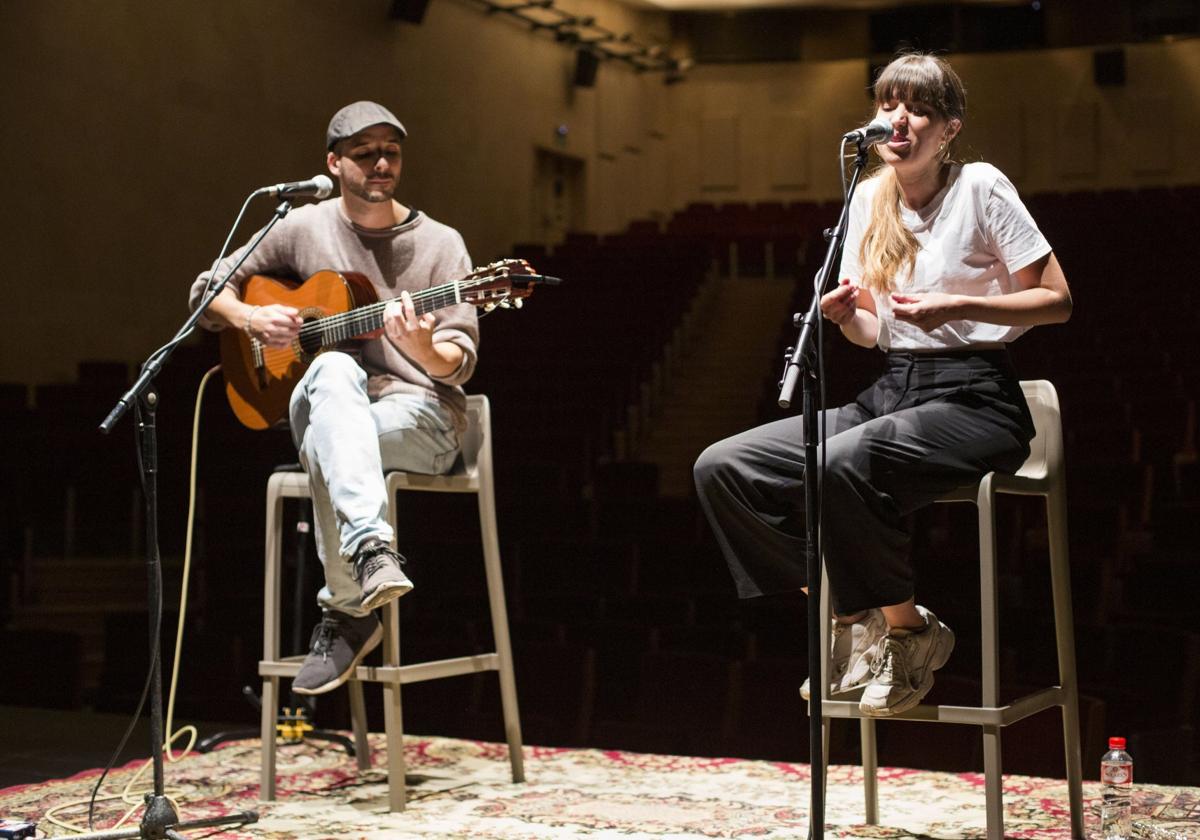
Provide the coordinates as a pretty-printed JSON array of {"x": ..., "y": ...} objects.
[
  {"x": 160, "y": 819},
  {"x": 802, "y": 362}
]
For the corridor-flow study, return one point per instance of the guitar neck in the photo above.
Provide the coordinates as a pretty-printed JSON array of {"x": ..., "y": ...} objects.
[{"x": 369, "y": 318}]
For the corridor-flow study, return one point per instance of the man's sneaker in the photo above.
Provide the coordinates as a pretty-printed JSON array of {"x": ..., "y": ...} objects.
[
  {"x": 852, "y": 649},
  {"x": 338, "y": 644},
  {"x": 904, "y": 666},
  {"x": 377, "y": 567}
]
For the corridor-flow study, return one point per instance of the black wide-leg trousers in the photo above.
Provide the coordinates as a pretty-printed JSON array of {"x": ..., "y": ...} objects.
[{"x": 933, "y": 422}]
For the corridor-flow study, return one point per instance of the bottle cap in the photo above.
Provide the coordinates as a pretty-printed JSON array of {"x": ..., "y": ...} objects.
[{"x": 1116, "y": 743}]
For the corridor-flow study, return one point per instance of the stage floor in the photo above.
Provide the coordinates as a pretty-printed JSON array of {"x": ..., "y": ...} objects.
[{"x": 461, "y": 789}]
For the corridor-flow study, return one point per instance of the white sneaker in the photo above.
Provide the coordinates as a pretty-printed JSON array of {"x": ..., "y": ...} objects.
[
  {"x": 852, "y": 648},
  {"x": 902, "y": 669}
]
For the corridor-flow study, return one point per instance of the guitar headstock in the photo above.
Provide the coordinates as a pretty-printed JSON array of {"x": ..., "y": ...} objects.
[{"x": 505, "y": 283}]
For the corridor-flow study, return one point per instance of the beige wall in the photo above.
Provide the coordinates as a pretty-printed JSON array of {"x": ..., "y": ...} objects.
[
  {"x": 142, "y": 125},
  {"x": 1037, "y": 115},
  {"x": 137, "y": 127}
]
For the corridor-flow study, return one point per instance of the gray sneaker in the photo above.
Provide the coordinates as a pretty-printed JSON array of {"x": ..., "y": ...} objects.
[
  {"x": 377, "y": 568},
  {"x": 338, "y": 644},
  {"x": 852, "y": 650},
  {"x": 902, "y": 672}
]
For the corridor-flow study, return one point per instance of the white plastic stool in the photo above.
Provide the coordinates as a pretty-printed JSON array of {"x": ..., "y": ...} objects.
[
  {"x": 1042, "y": 474},
  {"x": 473, "y": 476}
]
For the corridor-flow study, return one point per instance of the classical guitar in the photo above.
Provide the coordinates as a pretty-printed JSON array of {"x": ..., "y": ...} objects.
[{"x": 338, "y": 308}]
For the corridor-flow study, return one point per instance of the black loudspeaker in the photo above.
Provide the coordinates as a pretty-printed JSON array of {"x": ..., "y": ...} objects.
[
  {"x": 1108, "y": 67},
  {"x": 586, "y": 64},
  {"x": 409, "y": 11}
]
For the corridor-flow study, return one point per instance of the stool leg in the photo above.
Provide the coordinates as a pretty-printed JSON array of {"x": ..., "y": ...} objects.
[
  {"x": 393, "y": 718},
  {"x": 495, "y": 587},
  {"x": 270, "y": 694},
  {"x": 989, "y": 623},
  {"x": 358, "y": 722},
  {"x": 1064, "y": 631},
  {"x": 270, "y": 707},
  {"x": 870, "y": 767},
  {"x": 993, "y": 782},
  {"x": 988, "y": 597}
]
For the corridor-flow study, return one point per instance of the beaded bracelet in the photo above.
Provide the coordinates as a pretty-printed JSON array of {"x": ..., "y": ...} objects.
[{"x": 250, "y": 317}]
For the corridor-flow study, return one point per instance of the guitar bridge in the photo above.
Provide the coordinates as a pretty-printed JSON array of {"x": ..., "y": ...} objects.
[{"x": 260, "y": 365}]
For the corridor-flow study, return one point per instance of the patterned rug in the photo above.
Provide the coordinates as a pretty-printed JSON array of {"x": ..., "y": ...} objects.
[{"x": 462, "y": 789}]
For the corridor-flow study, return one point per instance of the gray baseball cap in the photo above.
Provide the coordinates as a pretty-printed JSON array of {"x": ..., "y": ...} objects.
[{"x": 359, "y": 115}]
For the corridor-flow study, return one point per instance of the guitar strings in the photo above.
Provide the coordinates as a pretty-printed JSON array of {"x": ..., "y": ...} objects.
[{"x": 358, "y": 319}]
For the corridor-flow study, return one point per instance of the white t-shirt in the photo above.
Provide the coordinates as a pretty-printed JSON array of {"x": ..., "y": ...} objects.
[{"x": 974, "y": 235}]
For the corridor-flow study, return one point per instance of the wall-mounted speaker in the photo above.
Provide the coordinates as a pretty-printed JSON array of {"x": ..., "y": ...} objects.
[
  {"x": 409, "y": 11},
  {"x": 1108, "y": 67},
  {"x": 586, "y": 64}
]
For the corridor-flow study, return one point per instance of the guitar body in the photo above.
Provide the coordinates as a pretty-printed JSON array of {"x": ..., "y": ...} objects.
[{"x": 259, "y": 380}]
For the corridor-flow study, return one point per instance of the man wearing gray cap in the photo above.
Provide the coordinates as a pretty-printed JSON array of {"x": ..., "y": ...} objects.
[{"x": 396, "y": 403}]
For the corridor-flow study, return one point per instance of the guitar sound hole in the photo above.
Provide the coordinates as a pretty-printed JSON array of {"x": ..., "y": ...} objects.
[{"x": 310, "y": 341}]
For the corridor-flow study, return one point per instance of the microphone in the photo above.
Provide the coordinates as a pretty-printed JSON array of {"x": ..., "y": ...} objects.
[
  {"x": 319, "y": 186},
  {"x": 874, "y": 132}
]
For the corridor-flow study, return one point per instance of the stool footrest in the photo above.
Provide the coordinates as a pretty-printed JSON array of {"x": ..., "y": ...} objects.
[
  {"x": 1021, "y": 708},
  {"x": 394, "y": 674}
]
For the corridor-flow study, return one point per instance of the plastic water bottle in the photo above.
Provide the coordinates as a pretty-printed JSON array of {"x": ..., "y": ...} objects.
[{"x": 1116, "y": 779}]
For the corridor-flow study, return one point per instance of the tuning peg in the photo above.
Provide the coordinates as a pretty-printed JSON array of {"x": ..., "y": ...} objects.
[
  {"x": 504, "y": 304},
  {"x": 488, "y": 307},
  {"x": 518, "y": 303}
]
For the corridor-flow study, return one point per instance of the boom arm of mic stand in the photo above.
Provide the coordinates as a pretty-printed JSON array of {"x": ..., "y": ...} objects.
[{"x": 153, "y": 365}]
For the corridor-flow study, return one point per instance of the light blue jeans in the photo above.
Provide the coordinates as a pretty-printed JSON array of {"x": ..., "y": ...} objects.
[{"x": 346, "y": 441}]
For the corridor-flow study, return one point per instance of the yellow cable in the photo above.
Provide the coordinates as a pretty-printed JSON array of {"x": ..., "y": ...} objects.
[
  {"x": 187, "y": 567},
  {"x": 131, "y": 797}
]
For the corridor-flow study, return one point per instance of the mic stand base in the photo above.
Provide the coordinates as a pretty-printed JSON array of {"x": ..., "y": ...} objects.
[{"x": 160, "y": 821}]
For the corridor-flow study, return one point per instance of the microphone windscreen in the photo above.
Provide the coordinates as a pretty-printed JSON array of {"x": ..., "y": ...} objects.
[{"x": 879, "y": 130}]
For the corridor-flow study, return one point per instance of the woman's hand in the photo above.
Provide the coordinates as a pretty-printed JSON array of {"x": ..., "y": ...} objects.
[
  {"x": 840, "y": 305},
  {"x": 1042, "y": 298},
  {"x": 927, "y": 310}
]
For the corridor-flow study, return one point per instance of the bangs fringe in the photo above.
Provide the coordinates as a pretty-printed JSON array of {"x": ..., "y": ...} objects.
[{"x": 920, "y": 78}]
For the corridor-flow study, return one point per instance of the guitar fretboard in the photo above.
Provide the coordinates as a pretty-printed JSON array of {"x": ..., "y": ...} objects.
[{"x": 335, "y": 329}]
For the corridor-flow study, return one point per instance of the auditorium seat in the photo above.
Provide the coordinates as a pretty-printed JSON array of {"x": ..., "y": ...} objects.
[
  {"x": 544, "y": 568},
  {"x": 45, "y": 669},
  {"x": 686, "y": 705},
  {"x": 770, "y": 724},
  {"x": 618, "y": 648},
  {"x": 728, "y": 640},
  {"x": 556, "y": 687}
]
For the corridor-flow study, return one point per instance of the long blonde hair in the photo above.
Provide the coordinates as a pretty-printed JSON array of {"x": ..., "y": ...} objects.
[{"x": 889, "y": 249}]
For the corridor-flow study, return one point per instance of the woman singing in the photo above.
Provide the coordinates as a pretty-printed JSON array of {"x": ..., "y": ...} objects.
[{"x": 942, "y": 267}]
